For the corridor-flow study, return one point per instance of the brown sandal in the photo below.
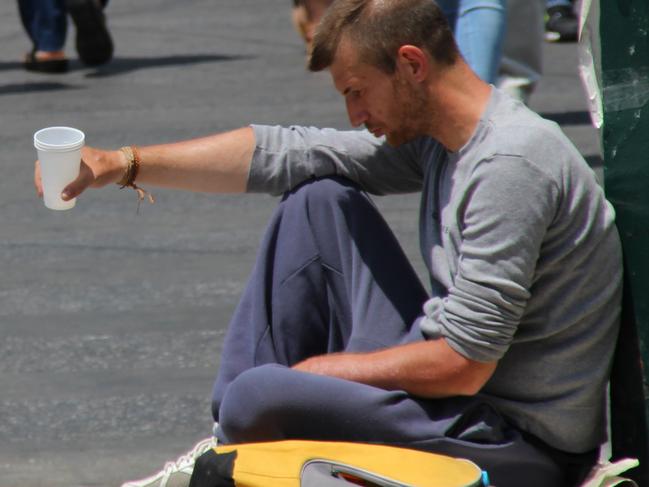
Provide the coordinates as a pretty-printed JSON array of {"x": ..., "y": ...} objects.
[{"x": 54, "y": 66}]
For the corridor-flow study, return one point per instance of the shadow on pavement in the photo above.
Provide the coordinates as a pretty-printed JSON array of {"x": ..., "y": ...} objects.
[
  {"x": 122, "y": 65},
  {"x": 568, "y": 118},
  {"x": 9, "y": 65},
  {"x": 15, "y": 88},
  {"x": 595, "y": 161}
]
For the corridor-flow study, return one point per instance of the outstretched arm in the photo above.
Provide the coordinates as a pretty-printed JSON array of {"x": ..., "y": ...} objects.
[{"x": 217, "y": 163}]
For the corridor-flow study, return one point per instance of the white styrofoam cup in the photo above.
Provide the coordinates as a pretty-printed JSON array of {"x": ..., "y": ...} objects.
[{"x": 59, "y": 153}]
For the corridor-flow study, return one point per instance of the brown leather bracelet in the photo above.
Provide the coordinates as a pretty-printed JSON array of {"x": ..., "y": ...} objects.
[
  {"x": 132, "y": 168},
  {"x": 130, "y": 175}
]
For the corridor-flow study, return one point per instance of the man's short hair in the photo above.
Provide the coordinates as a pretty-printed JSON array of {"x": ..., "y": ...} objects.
[{"x": 378, "y": 28}]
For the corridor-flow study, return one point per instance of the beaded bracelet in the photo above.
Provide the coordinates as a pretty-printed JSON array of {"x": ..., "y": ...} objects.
[{"x": 132, "y": 170}]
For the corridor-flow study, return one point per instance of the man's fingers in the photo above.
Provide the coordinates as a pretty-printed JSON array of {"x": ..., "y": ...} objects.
[
  {"x": 78, "y": 186},
  {"x": 97, "y": 169},
  {"x": 37, "y": 179}
]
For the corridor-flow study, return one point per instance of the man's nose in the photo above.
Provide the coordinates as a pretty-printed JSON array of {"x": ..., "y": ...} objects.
[{"x": 356, "y": 113}]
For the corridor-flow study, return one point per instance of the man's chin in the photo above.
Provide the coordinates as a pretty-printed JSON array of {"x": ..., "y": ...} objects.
[{"x": 395, "y": 140}]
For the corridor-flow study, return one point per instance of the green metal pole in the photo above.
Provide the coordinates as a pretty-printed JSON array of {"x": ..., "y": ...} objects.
[{"x": 624, "y": 36}]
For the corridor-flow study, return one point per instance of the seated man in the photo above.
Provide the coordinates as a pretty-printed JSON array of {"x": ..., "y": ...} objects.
[{"x": 506, "y": 360}]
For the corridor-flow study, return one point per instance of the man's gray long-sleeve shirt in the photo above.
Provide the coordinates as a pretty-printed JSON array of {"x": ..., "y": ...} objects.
[{"x": 521, "y": 246}]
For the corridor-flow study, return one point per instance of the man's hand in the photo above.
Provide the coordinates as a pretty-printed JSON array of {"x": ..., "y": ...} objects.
[{"x": 98, "y": 168}]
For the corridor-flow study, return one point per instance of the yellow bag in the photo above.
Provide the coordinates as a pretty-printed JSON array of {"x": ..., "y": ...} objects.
[{"x": 297, "y": 463}]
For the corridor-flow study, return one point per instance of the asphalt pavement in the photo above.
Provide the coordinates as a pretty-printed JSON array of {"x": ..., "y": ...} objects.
[{"x": 111, "y": 322}]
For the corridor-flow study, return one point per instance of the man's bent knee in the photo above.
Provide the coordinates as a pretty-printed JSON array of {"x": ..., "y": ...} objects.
[
  {"x": 256, "y": 405},
  {"x": 326, "y": 189}
]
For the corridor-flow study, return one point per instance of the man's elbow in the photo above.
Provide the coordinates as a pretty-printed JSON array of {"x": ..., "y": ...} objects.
[
  {"x": 470, "y": 388},
  {"x": 473, "y": 377}
]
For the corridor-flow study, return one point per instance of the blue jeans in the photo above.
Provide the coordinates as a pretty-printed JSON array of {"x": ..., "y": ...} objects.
[
  {"x": 558, "y": 3},
  {"x": 479, "y": 27},
  {"x": 330, "y": 276},
  {"x": 45, "y": 22}
]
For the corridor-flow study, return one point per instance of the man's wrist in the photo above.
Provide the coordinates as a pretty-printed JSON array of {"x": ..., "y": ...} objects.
[
  {"x": 131, "y": 155},
  {"x": 121, "y": 164},
  {"x": 341, "y": 365}
]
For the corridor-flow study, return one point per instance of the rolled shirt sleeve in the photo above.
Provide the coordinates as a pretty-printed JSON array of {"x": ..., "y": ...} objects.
[
  {"x": 497, "y": 227},
  {"x": 286, "y": 156}
]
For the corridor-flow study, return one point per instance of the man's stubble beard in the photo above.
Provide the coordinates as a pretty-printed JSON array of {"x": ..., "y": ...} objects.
[{"x": 412, "y": 111}]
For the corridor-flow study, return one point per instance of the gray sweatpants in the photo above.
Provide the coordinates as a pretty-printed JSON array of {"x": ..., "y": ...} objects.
[{"x": 330, "y": 276}]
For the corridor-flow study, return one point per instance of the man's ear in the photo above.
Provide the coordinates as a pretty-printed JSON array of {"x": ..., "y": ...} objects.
[{"x": 413, "y": 61}]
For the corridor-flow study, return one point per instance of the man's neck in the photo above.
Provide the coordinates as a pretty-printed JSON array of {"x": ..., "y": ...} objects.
[{"x": 458, "y": 100}]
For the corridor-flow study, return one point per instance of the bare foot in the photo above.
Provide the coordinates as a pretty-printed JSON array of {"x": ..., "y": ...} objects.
[{"x": 46, "y": 55}]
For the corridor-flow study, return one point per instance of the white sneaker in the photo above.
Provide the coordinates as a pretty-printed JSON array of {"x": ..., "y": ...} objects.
[{"x": 178, "y": 473}]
